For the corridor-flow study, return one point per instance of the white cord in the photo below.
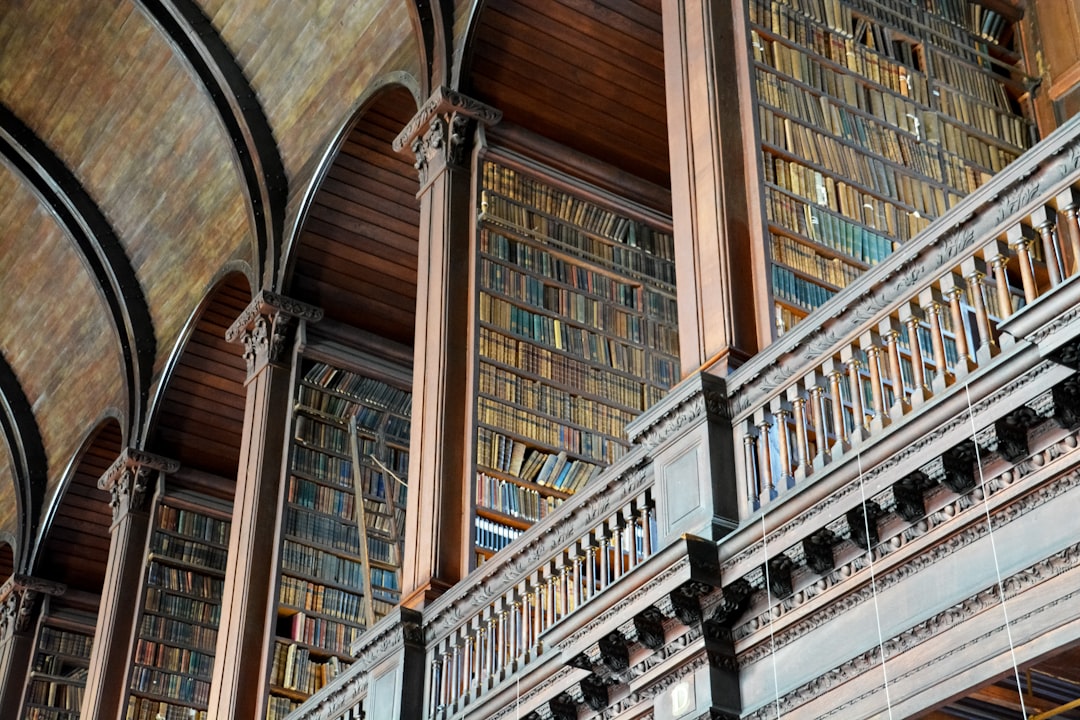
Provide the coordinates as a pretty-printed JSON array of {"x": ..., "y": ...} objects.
[
  {"x": 873, "y": 585},
  {"x": 768, "y": 611},
  {"x": 993, "y": 549}
]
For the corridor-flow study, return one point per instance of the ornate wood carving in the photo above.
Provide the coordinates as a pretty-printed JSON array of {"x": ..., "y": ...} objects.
[
  {"x": 19, "y": 597},
  {"x": 440, "y": 134},
  {"x": 862, "y": 522},
  {"x": 131, "y": 479},
  {"x": 266, "y": 327}
]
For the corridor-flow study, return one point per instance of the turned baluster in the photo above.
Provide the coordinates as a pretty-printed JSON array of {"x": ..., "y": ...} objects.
[
  {"x": 1020, "y": 237},
  {"x": 890, "y": 333},
  {"x": 870, "y": 342},
  {"x": 933, "y": 305},
  {"x": 952, "y": 286},
  {"x": 797, "y": 400},
  {"x": 1068, "y": 203},
  {"x": 817, "y": 413},
  {"x": 764, "y": 456},
  {"x": 853, "y": 365},
  {"x": 1044, "y": 220},
  {"x": 834, "y": 374},
  {"x": 911, "y": 315},
  {"x": 974, "y": 270},
  {"x": 996, "y": 254},
  {"x": 781, "y": 412}
]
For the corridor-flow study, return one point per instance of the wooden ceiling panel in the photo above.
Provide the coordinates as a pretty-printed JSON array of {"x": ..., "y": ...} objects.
[
  {"x": 588, "y": 74},
  {"x": 357, "y": 256}
]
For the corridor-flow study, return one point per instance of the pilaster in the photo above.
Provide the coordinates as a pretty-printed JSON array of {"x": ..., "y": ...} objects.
[
  {"x": 266, "y": 329},
  {"x": 131, "y": 482},
  {"x": 723, "y": 318},
  {"x": 19, "y": 607},
  {"x": 441, "y": 138}
]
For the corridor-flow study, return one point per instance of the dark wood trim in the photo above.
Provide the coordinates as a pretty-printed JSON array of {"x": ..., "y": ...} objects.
[
  {"x": 101, "y": 251},
  {"x": 28, "y": 459}
]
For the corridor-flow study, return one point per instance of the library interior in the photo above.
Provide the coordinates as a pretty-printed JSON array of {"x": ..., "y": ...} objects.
[{"x": 540, "y": 359}]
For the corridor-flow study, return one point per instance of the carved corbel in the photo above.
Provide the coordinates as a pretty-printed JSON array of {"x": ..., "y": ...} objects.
[
  {"x": 1065, "y": 396},
  {"x": 862, "y": 520},
  {"x": 19, "y": 597},
  {"x": 780, "y": 568},
  {"x": 266, "y": 327},
  {"x": 1008, "y": 435},
  {"x": 649, "y": 625},
  {"x": 440, "y": 134},
  {"x": 955, "y": 468},
  {"x": 132, "y": 479},
  {"x": 908, "y": 495},
  {"x": 818, "y": 549}
]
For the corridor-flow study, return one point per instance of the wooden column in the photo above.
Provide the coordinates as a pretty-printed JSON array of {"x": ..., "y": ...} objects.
[
  {"x": 241, "y": 660},
  {"x": 19, "y": 608},
  {"x": 437, "y": 540},
  {"x": 724, "y": 315},
  {"x": 131, "y": 481}
]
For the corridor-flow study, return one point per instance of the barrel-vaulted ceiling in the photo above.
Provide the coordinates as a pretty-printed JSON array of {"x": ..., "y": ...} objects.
[{"x": 150, "y": 148}]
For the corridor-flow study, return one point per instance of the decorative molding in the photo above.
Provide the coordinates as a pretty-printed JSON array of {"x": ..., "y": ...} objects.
[
  {"x": 1061, "y": 562},
  {"x": 440, "y": 134},
  {"x": 940, "y": 550},
  {"x": 130, "y": 480},
  {"x": 18, "y": 602},
  {"x": 266, "y": 327}
]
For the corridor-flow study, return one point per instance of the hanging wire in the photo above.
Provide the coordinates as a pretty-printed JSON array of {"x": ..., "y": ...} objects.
[
  {"x": 768, "y": 612},
  {"x": 873, "y": 585},
  {"x": 993, "y": 549}
]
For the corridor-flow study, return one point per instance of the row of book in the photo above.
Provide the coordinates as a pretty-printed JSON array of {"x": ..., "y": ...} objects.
[
  {"x": 560, "y": 369},
  {"x": 972, "y": 148},
  {"x": 318, "y": 598},
  {"x": 832, "y": 231},
  {"x": 337, "y": 533},
  {"x": 320, "y": 564},
  {"x": 328, "y": 436},
  {"x": 553, "y": 401},
  {"x": 838, "y": 196},
  {"x": 572, "y": 209},
  {"x": 815, "y": 45},
  {"x": 279, "y": 706},
  {"x": 490, "y": 535},
  {"x": 178, "y": 631},
  {"x": 321, "y": 498},
  {"x": 294, "y": 669},
  {"x": 1004, "y": 126},
  {"x": 593, "y": 446},
  {"x": 65, "y": 642},
  {"x": 847, "y": 163},
  {"x": 381, "y": 519},
  {"x": 798, "y": 291},
  {"x": 556, "y": 470},
  {"x": 368, "y": 391},
  {"x": 195, "y": 525},
  {"x": 512, "y": 499},
  {"x": 802, "y": 257},
  {"x": 950, "y": 22},
  {"x": 524, "y": 287},
  {"x": 175, "y": 659},
  {"x": 148, "y": 709},
  {"x": 56, "y": 695},
  {"x": 321, "y": 466},
  {"x": 46, "y": 713},
  {"x": 65, "y": 666},
  {"x": 191, "y": 552},
  {"x": 320, "y": 632},
  {"x": 553, "y": 332},
  {"x": 183, "y": 608},
  {"x": 971, "y": 80},
  {"x": 188, "y": 582},
  {"x": 551, "y": 267},
  {"x": 170, "y": 685}
]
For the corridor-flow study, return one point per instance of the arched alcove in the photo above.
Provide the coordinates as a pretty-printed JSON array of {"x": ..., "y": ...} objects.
[
  {"x": 199, "y": 419},
  {"x": 75, "y": 543}
]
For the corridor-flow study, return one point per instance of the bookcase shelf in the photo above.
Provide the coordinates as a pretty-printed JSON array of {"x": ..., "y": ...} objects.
[
  {"x": 576, "y": 333},
  {"x": 180, "y": 606},
  {"x": 348, "y": 460},
  {"x": 58, "y": 670},
  {"x": 874, "y": 117}
]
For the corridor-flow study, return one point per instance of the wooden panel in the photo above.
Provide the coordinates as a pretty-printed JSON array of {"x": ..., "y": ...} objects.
[
  {"x": 357, "y": 255},
  {"x": 589, "y": 75}
]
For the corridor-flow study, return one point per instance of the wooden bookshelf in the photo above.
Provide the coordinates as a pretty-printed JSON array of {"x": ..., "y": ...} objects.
[
  {"x": 874, "y": 117},
  {"x": 180, "y": 608},
  {"x": 343, "y": 521},
  {"x": 57, "y": 678},
  {"x": 576, "y": 335}
]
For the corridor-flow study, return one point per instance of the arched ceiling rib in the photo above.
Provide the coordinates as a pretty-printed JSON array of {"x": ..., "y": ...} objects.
[
  {"x": 28, "y": 463},
  {"x": 238, "y": 107},
  {"x": 100, "y": 249}
]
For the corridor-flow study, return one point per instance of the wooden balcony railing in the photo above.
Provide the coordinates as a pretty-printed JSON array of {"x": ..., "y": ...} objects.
[{"x": 931, "y": 317}]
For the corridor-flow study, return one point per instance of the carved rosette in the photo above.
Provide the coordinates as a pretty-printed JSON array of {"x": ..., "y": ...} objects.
[
  {"x": 18, "y": 602},
  {"x": 131, "y": 480},
  {"x": 265, "y": 328},
  {"x": 440, "y": 134}
]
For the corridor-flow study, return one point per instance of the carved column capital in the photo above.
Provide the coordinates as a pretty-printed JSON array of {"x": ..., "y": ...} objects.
[
  {"x": 440, "y": 134},
  {"x": 266, "y": 327},
  {"x": 18, "y": 602},
  {"x": 130, "y": 480}
]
